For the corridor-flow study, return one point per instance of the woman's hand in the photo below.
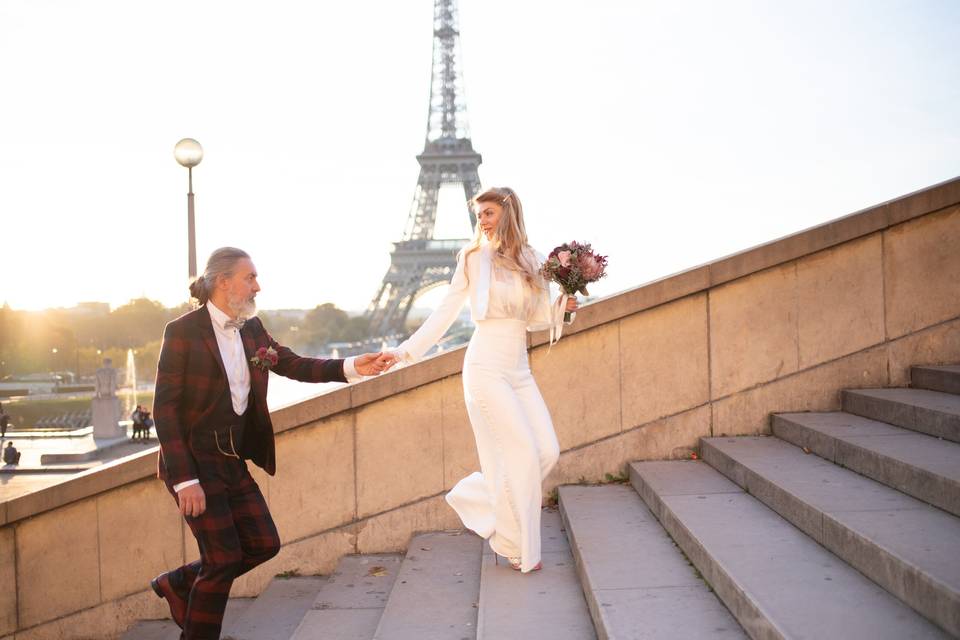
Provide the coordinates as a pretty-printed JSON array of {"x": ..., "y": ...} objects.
[
  {"x": 395, "y": 356},
  {"x": 373, "y": 364},
  {"x": 572, "y": 304}
]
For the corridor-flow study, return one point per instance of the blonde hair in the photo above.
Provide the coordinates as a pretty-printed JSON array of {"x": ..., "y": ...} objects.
[{"x": 511, "y": 250}]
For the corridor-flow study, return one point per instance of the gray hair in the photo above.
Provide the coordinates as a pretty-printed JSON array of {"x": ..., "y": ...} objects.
[{"x": 220, "y": 263}]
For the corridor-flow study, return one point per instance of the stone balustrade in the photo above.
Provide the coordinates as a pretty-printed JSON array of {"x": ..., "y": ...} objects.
[{"x": 641, "y": 375}]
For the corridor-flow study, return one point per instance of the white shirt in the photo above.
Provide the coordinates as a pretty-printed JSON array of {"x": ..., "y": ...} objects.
[
  {"x": 234, "y": 358},
  {"x": 509, "y": 297},
  {"x": 238, "y": 369}
]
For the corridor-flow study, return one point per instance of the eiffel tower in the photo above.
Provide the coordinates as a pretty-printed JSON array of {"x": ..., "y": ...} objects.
[{"x": 419, "y": 262}]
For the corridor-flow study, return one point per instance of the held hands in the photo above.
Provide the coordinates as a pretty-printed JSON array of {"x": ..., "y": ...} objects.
[
  {"x": 572, "y": 304},
  {"x": 373, "y": 364},
  {"x": 192, "y": 500}
]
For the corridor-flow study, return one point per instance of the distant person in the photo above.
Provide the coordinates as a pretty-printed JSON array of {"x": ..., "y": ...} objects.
[
  {"x": 4, "y": 422},
  {"x": 147, "y": 422},
  {"x": 137, "y": 417},
  {"x": 11, "y": 455}
]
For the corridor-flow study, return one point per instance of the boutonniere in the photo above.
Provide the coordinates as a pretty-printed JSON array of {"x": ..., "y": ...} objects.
[{"x": 266, "y": 357}]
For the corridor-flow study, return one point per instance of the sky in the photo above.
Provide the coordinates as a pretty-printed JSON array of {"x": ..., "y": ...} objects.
[{"x": 668, "y": 134}]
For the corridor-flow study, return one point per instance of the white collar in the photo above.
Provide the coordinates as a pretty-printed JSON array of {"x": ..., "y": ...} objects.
[{"x": 217, "y": 315}]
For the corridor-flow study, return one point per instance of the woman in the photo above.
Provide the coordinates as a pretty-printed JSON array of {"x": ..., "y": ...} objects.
[{"x": 516, "y": 443}]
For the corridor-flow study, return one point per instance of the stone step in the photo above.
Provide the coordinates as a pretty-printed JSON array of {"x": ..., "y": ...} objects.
[
  {"x": 917, "y": 464},
  {"x": 168, "y": 630},
  {"x": 944, "y": 378},
  {"x": 152, "y": 630},
  {"x": 906, "y": 546},
  {"x": 932, "y": 412},
  {"x": 636, "y": 580},
  {"x": 548, "y": 603},
  {"x": 777, "y": 581},
  {"x": 351, "y": 601},
  {"x": 436, "y": 593},
  {"x": 275, "y": 613}
]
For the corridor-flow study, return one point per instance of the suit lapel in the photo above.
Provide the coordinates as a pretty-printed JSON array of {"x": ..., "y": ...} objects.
[
  {"x": 210, "y": 339},
  {"x": 258, "y": 377}
]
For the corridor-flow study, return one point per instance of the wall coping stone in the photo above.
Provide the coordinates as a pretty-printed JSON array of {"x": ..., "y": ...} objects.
[{"x": 608, "y": 309}]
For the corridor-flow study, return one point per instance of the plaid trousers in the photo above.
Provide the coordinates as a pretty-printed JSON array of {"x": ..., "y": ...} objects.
[{"x": 235, "y": 534}]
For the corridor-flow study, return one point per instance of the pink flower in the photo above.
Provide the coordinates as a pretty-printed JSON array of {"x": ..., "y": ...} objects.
[
  {"x": 590, "y": 267},
  {"x": 564, "y": 257}
]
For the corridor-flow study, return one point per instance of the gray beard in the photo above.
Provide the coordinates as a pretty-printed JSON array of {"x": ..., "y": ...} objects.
[{"x": 245, "y": 309}]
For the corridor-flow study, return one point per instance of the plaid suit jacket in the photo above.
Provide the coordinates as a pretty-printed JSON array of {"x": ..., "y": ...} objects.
[{"x": 191, "y": 381}]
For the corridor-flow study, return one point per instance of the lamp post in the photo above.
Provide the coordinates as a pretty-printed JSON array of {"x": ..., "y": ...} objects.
[{"x": 189, "y": 153}]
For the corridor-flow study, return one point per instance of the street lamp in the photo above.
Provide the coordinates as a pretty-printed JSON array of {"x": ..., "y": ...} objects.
[{"x": 189, "y": 153}]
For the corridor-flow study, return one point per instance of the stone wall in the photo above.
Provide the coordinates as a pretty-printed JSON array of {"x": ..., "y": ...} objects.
[{"x": 641, "y": 375}]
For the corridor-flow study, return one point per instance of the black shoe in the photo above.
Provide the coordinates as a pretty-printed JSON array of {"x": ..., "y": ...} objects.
[{"x": 178, "y": 604}]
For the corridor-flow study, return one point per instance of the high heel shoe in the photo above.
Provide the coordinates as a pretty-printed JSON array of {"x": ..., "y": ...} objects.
[{"x": 515, "y": 563}]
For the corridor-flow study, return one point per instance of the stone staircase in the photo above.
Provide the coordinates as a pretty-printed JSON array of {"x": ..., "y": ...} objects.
[{"x": 839, "y": 525}]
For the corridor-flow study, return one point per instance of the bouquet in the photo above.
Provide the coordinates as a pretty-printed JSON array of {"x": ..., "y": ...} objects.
[{"x": 573, "y": 266}]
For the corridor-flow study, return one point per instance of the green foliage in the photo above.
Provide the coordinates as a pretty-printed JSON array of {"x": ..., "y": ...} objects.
[
  {"x": 70, "y": 339},
  {"x": 620, "y": 478},
  {"x": 553, "y": 498},
  {"x": 315, "y": 328},
  {"x": 84, "y": 335},
  {"x": 286, "y": 575}
]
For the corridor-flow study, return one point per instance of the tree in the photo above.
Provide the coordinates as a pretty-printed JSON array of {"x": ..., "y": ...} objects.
[{"x": 323, "y": 324}]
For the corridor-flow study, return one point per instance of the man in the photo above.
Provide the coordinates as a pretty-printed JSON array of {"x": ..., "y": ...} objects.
[
  {"x": 11, "y": 455},
  {"x": 4, "y": 422},
  {"x": 137, "y": 419},
  {"x": 210, "y": 412}
]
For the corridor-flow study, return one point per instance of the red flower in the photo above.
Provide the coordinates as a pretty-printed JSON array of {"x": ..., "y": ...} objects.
[{"x": 265, "y": 358}]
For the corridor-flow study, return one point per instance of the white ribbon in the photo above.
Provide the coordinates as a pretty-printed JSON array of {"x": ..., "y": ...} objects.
[{"x": 556, "y": 329}]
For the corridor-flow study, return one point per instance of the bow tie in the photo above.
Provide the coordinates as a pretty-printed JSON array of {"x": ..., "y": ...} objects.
[{"x": 234, "y": 324}]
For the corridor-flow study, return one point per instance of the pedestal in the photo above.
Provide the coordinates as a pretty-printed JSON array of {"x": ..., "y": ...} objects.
[{"x": 106, "y": 417}]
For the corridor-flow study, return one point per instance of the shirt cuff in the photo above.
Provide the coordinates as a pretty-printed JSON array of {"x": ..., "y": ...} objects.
[
  {"x": 183, "y": 485},
  {"x": 350, "y": 370}
]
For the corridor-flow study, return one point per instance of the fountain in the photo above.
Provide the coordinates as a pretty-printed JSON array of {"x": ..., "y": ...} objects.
[{"x": 130, "y": 379}]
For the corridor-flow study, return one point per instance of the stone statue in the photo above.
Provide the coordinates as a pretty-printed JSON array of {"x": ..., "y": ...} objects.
[
  {"x": 106, "y": 381},
  {"x": 106, "y": 404}
]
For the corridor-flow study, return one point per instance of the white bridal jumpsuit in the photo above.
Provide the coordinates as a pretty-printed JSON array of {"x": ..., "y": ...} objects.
[{"x": 515, "y": 439}]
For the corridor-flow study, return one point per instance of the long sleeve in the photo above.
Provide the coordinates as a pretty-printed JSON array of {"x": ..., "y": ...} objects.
[
  {"x": 291, "y": 365},
  {"x": 171, "y": 378},
  {"x": 413, "y": 348},
  {"x": 350, "y": 370}
]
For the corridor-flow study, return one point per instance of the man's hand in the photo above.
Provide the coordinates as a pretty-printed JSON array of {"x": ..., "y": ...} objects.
[
  {"x": 373, "y": 364},
  {"x": 192, "y": 500}
]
